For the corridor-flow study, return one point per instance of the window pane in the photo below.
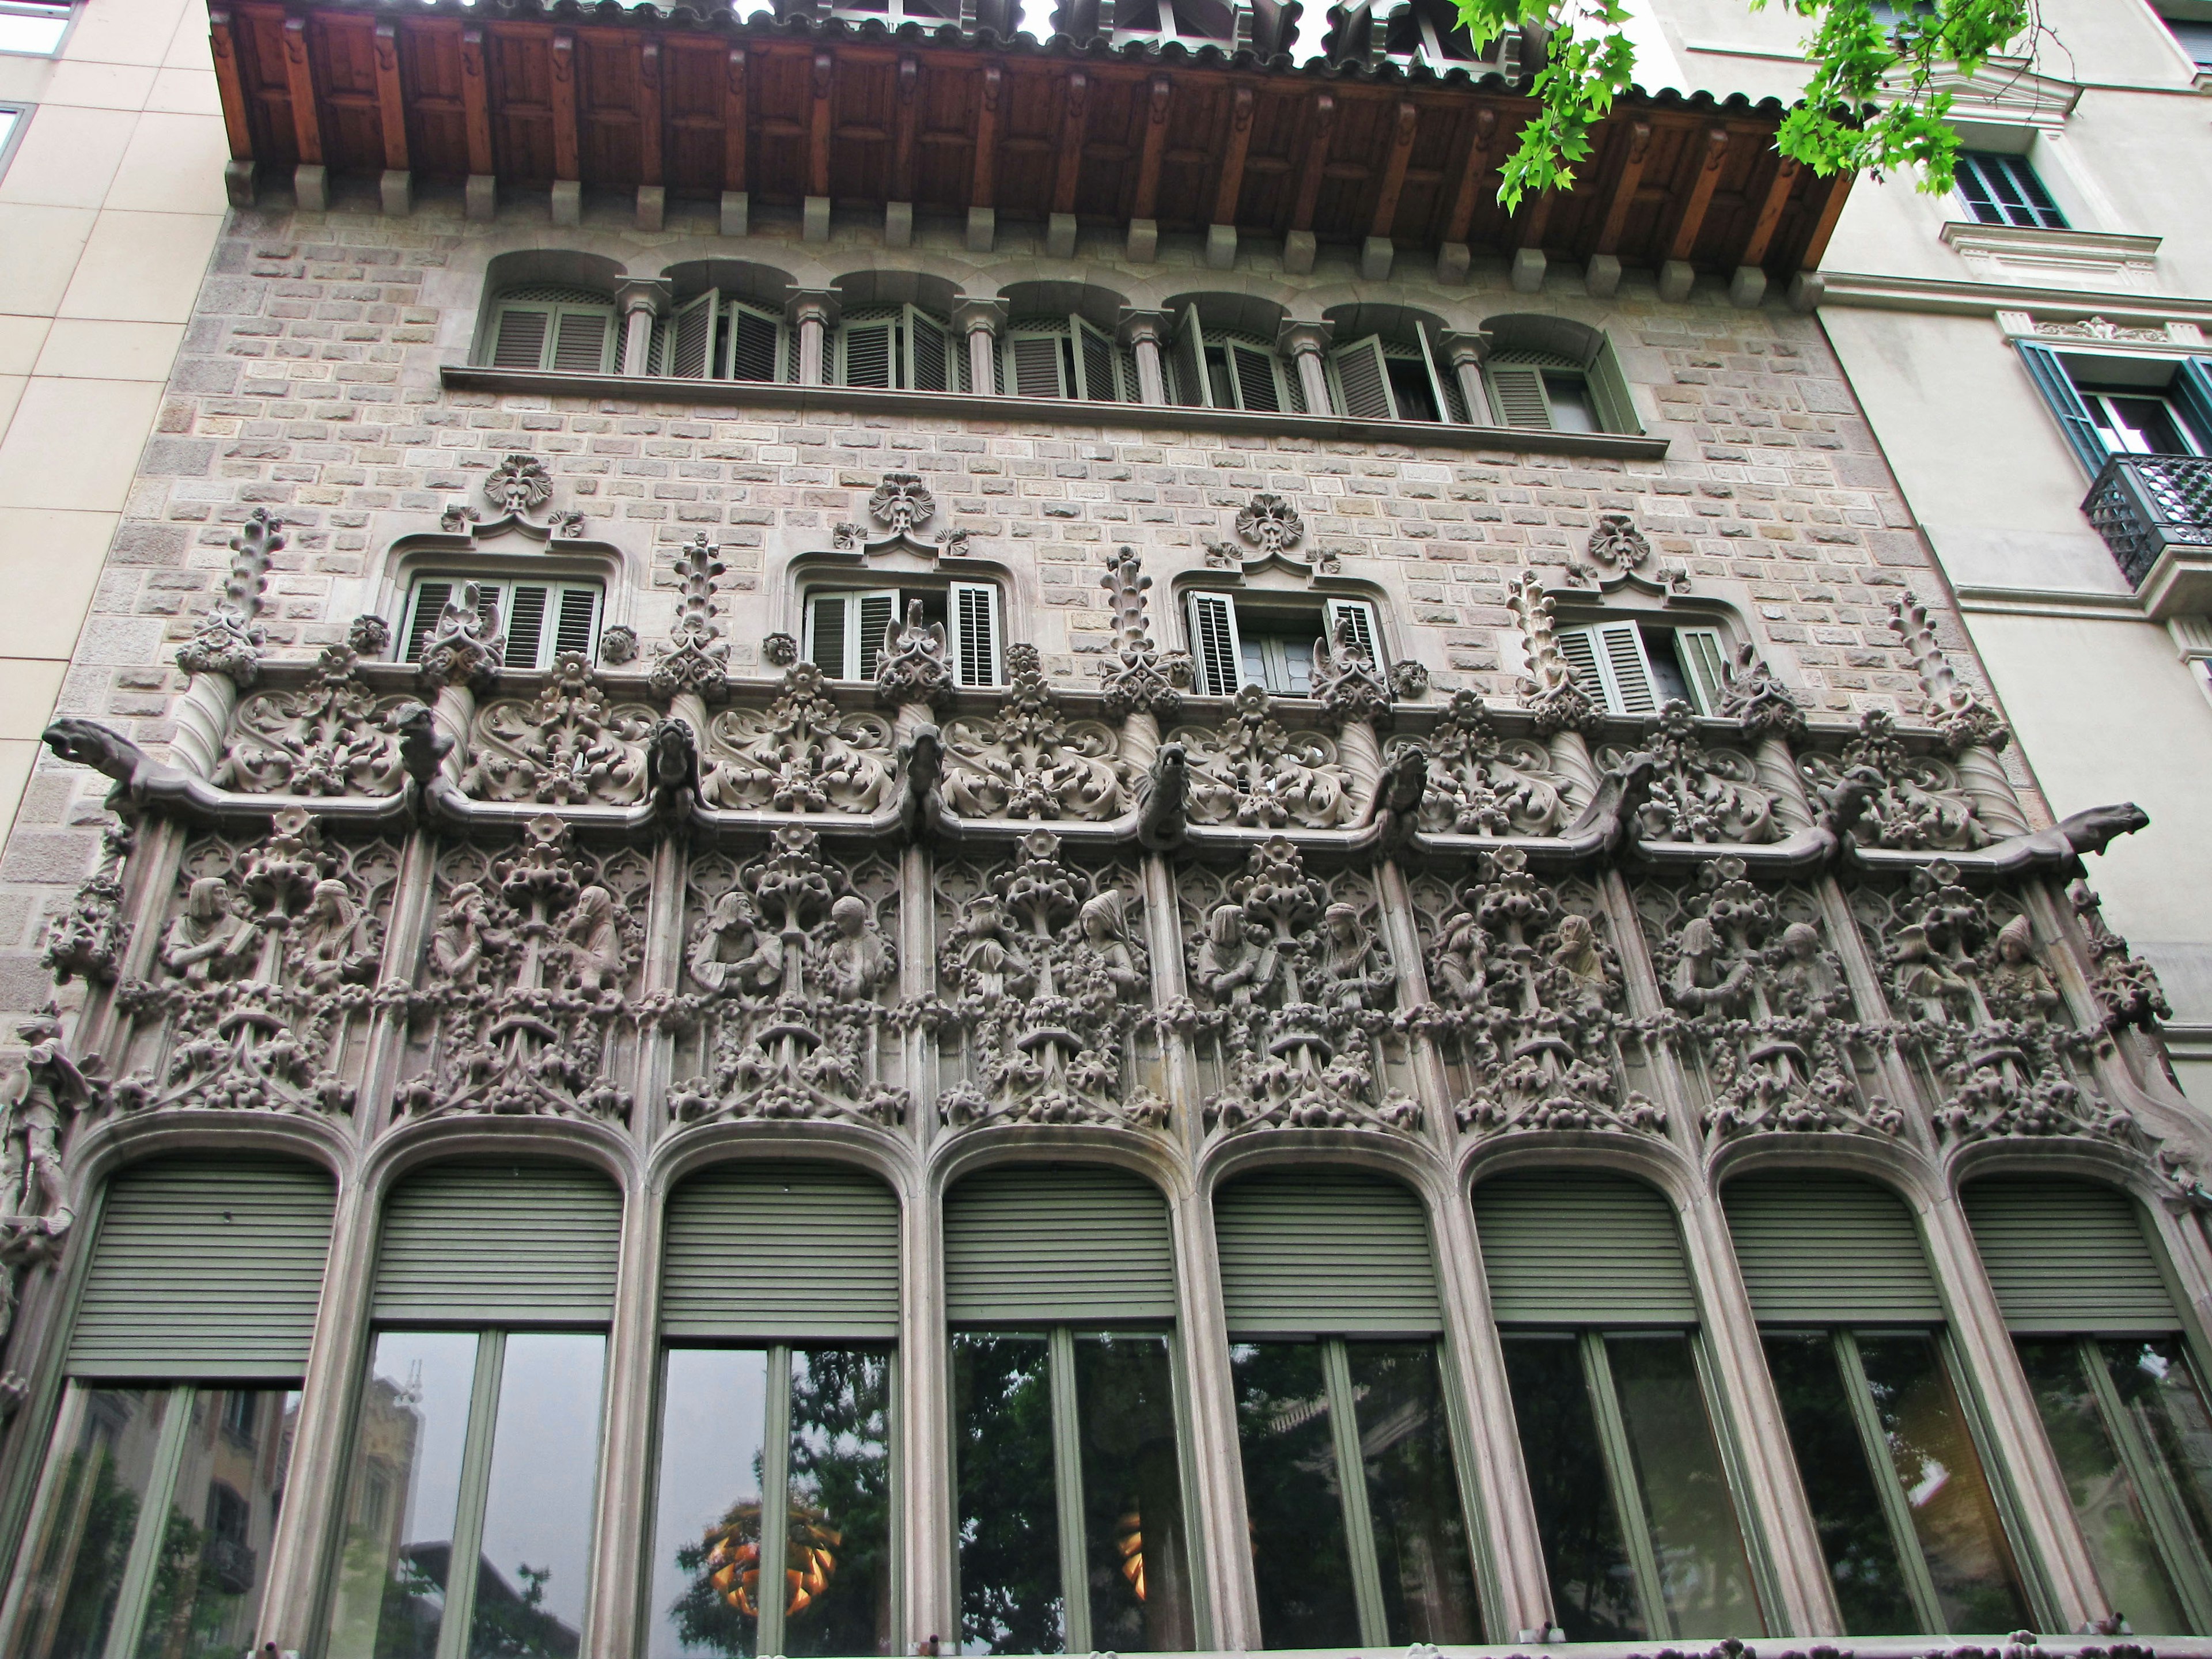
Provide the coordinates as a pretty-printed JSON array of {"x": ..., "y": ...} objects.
[
  {"x": 1570, "y": 400},
  {"x": 1010, "y": 1594},
  {"x": 402, "y": 1488},
  {"x": 1135, "y": 1551},
  {"x": 1703, "y": 1574},
  {"x": 1593, "y": 1586},
  {"x": 538, "y": 1511},
  {"x": 104, "y": 1448},
  {"x": 1413, "y": 1495},
  {"x": 1292, "y": 1499},
  {"x": 37, "y": 35},
  {"x": 706, "y": 1528},
  {"x": 207, "y": 1584},
  {"x": 1953, "y": 1511},
  {"x": 838, "y": 1597},
  {"x": 1832, "y": 1461},
  {"x": 2161, "y": 1395},
  {"x": 2105, "y": 1500}
]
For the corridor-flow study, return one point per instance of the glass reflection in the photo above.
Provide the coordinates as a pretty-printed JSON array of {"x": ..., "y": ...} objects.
[
  {"x": 2106, "y": 1501},
  {"x": 96, "y": 1493},
  {"x": 1704, "y": 1576},
  {"x": 838, "y": 1597},
  {"x": 1134, "y": 1550},
  {"x": 1413, "y": 1494},
  {"x": 705, "y": 1564},
  {"x": 1291, "y": 1498},
  {"x": 2158, "y": 1392},
  {"x": 1593, "y": 1585},
  {"x": 1839, "y": 1484},
  {"x": 1954, "y": 1513},
  {"x": 402, "y": 1487},
  {"x": 230, "y": 1479},
  {"x": 1010, "y": 1591},
  {"x": 537, "y": 1507}
]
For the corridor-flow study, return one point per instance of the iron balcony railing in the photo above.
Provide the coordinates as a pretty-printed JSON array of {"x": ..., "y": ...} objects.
[{"x": 2143, "y": 504}]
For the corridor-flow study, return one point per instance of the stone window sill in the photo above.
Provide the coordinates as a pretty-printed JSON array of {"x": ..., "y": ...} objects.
[
  {"x": 1041, "y": 411},
  {"x": 2010, "y": 253}
]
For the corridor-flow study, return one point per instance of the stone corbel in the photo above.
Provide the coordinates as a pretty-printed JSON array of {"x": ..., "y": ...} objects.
[{"x": 641, "y": 304}]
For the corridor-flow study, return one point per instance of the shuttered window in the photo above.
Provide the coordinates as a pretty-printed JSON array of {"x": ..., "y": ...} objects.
[
  {"x": 1632, "y": 668},
  {"x": 896, "y": 348},
  {"x": 1189, "y": 357},
  {"x": 1582, "y": 1249},
  {"x": 1548, "y": 391},
  {"x": 845, "y": 631},
  {"x": 1063, "y": 357},
  {"x": 205, "y": 1268},
  {"x": 1325, "y": 1255},
  {"x": 1362, "y": 381},
  {"x": 1378, "y": 380},
  {"x": 1033, "y": 1244},
  {"x": 691, "y": 341},
  {"x": 536, "y": 620},
  {"x": 2048, "y": 370},
  {"x": 754, "y": 342},
  {"x": 567, "y": 330},
  {"x": 2068, "y": 1257},
  {"x": 1827, "y": 1251},
  {"x": 1213, "y": 644},
  {"x": 975, "y": 640},
  {"x": 782, "y": 1251},
  {"x": 505, "y": 1242},
  {"x": 1361, "y": 616}
]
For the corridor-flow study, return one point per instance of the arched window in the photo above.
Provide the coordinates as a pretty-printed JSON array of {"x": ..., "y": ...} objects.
[
  {"x": 899, "y": 348},
  {"x": 1069, "y": 356},
  {"x": 1394, "y": 378},
  {"x": 1551, "y": 375},
  {"x": 554, "y": 325},
  {"x": 1224, "y": 368}
]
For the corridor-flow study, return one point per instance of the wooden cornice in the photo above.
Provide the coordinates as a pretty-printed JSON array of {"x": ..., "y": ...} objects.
[{"x": 788, "y": 110}]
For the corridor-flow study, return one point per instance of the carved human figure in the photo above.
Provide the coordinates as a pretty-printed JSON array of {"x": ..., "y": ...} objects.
[
  {"x": 1233, "y": 968},
  {"x": 209, "y": 941},
  {"x": 1701, "y": 982},
  {"x": 593, "y": 940},
  {"x": 1105, "y": 938},
  {"x": 466, "y": 940},
  {"x": 2017, "y": 984},
  {"x": 990, "y": 965},
  {"x": 1582, "y": 963},
  {"x": 1463, "y": 964},
  {"x": 859, "y": 962},
  {"x": 50, "y": 1085},
  {"x": 1802, "y": 979},
  {"x": 332, "y": 947},
  {"x": 732, "y": 950},
  {"x": 1355, "y": 972},
  {"x": 1924, "y": 975}
]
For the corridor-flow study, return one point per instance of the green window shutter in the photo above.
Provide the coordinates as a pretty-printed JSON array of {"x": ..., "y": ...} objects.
[
  {"x": 1042, "y": 1243},
  {"x": 507, "y": 1243},
  {"x": 1259, "y": 379},
  {"x": 1704, "y": 666},
  {"x": 753, "y": 344},
  {"x": 581, "y": 337},
  {"x": 1828, "y": 1249},
  {"x": 1363, "y": 385},
  {"x": 2058, "y": 391},
  {"x": 1630, "y": 688},
  {"x": 1517, "y": 389},
  {"x": 2068, "y": 1257},
  {"x": 1094, "y": 364},
  {"x": 519, "y": 340},
  {"x": 1362, "y": 617},
  {"x": 1325, "y": 1255},
  {"x": 206, "y": 1267},
  {"x": 430, "y": 598},
  {"x": 2192, "y": 389},
  {"x": 1582, "y": 1249},
  {"x": 1036, "y": 364},
  {"x": 1608, "y": 387},
  {"x": 1449, "y": 407},
  {"x": 976, "y": 634},
  {"x": 929, "y": 358},
  {"x": 828, "y": 631},
  {"x": 1214, "y": 645},
  {"x": 777, "y": 1251},
  {"x": 1190, "y": 377},
  {"x": 864, "y": 353},
  {"x": 527, "y": 609},
  {"x": 1577, "y": 645},
  {"x": 691, "y": 355},
  {"x": 873, "y": 615},
  {"x": 576, "y": 619}
]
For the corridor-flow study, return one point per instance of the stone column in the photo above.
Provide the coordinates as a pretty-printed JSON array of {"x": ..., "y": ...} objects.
[
  {"x": 812, "y": 313},
  {"x": 641, "y": 304},
  {"x": 1143, "y": 332},
  {"x": 1304, "y": 342},
  {"x": 929, "y": 1540},
  {"x": 981, "y": 319},
  {"x": 1465, "y": 351},
  {"x": 618, "y": 1577}
]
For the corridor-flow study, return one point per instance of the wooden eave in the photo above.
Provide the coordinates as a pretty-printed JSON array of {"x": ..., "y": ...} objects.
[{"x": 699, "y": 105}]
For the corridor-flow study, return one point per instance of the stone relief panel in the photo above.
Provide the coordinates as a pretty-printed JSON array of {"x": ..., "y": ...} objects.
[
  {"x": 802, "y": 753},
  {"x": 1030, "y": 759},
  {"x": 1916, "y": 801},
  {"x": 1482, "y": 783},
  {"x": 568, "y": 746},
  {"x": 334, "y": 736},
  {"x": 1043, "y": 1011},
  {"x": 789, "y": 981},
  {"x": 1699, "y": 791},
  {"x": 1252, "y": 772},
  {"x": 264, "y": 976}
]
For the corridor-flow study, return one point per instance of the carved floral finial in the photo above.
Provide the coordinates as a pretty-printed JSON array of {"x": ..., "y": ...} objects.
[
  {"x": 87, "y": 940},
  {"x": 696, "y": 656},
  {"x": 229, "y": 640},
  {"x": 1754, "y": 697},
  {"x": 618, "y": 645},
  {"x": 916, "y": 665},
  {"x": 1955, "y": 709},
  {"x": 901, "y": 503},
  {"x": 369, "y": 636},
  {"x": 1549, "y": 691},
  {"x": 779, "y": 650},
  {"x": 1270, "y": 523},
  {"x": 465, "y": 647},
  {"x": 1143, "y": 678},
  {"x": 519, "y": 486},
  {"x": 1344, "y": 677}
]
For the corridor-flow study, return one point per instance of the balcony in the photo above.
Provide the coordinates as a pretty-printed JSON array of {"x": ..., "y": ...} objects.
[{"x": 2155, "y": 512}]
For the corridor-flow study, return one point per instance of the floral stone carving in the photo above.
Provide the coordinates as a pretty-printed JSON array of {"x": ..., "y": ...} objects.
[
  {"x": 916, "y": 665},
  {"x": 1549, "y": 691},
  {"x": 1141, "y": 678},
  {"x": 331, "y": 737},
  {"x": 228, "y": 639},
  {"x": 801, "y": 754},
  {"x": 88, "y": 939},
  {"x": 696, "y": 656},
  {"x": 1250, "y": 771},
  {"x": 1270, "y": 523},
  {"x": 465, "y": 646},
  {"x": 901, "y": 503},
  {"x": 2127, "y": 990},
  {"x": 567, "y": 747},
  {"x": 1030, "y": 761},
  {"x": 1697, "y": 794},
  {"x": 1914, "y": 802},
  {"x": 1482, "y": 784},
  {"x": 518, "y": 486}
]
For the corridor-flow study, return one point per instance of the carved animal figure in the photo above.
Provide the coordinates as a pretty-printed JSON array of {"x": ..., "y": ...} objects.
[
  {"x": 922, "y": 775},
  {"x": 1608, "y": 821},
  {"x": 423, "y": 746},
  {"x": 673, "y": 767},
  {"x": 1162, "y": 794},
  {"x": 1396, "y": 808},
  {"x": 137, "y": 774}
]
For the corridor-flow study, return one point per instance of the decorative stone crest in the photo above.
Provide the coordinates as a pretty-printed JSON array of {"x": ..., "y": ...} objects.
[
  {"x": 696, "y": 656},
  {"x": 465, "y": 646},
  {"x": 1030, "y": 761},
  {"x": 1346, "y": 679},
  {"x": 1696, "y": 794},
  {"x": 1482, "y": 784},
  {"x": 2101, "y": 328},
  {"x": 1250, "y": 771},
  {"x": 569, "y": 747},
  {"x": 1549, "y": 689},
  {"x": 916, "y": 665},
  {"x": 369, "y": 636},
  {"x": 901, "y": 503},
  {"x": 801, "y": 754},
  {"x": 1754, "y": 697},
  {"x": 1617, "y": 549},
  {"x": 229, "y": 640},
  {"x": 1409, "y": 678},
  {"x": 618, "y": 645},
  {"x": 1913, "y": 802},
  {"x": 1270, "y": 523},
  {"x": 1141, "y": 678},
  {"x": 87, "y": 940},
  {"x": 518, "y": 486},
  {"x": 332, "y": 735}
]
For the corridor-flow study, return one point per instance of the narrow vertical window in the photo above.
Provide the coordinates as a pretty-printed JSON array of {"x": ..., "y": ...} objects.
[{"x": 2004, "y": 189}]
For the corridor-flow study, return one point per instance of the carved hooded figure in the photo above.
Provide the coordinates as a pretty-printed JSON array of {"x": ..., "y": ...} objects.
[
  {"x": 210, "y": 940},
  {"x": 332, "y": 945},
  {"x": 989, "y": 965},
  {"x": 1463, "y": 964},
  {"x": 1353, "y": 964},
  {"x": 593, "y": 938},
  {"x": 1105, "y": 939},
  {"x": 1802, "y": 973},
  {"x": 858, "y": 961},
  {"x": 731, "y": 952},
  {"x": 1231, "y": 968},
  {"x": 2017, "y": 983}
]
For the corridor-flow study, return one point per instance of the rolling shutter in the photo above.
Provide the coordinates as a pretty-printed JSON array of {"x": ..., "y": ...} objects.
[
  {"x": 1517, "y": 390},
  {"x": 2056, "y": 386},
  {"x": 1361, "y": 615},
  {"x": 206, "y": 1267},
  {"x": 430, "y": 598},
  {"x": 2068, "y": 1258},
  {"x": 1325, "y": 1255},
  {"x": 1094, "y": 364},
  {"x": 753, "y": 344},
  {"x": 975, "y": 633},
  {"x": 1362, "y": 384},
  {"x": 1704, "y": 666},
  {"x": 1829, "y": 1250},
  {"x": 1043, "y": 1244},
  {"x": 1582, "y": 1249},
  {"x": 1214, "y": 644},
  {"x": 1190, "y": 388},
  {"x": 505, "y": 1242},
  {"x": 779, "y": 1251},
  {"x": 692, "y": 347}
]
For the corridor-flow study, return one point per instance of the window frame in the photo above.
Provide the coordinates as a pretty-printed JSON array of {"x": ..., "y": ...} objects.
[
  {"x": 1189, "y": 351},
  {"x": 18, "y": 115},
  {"x": 1514, "y": 380},
  {"x": 1984, "y": 170},
  {"x": 1704, "y": 678},
  {"x": 2187, "y": 388},
  {"x": 900, "y": 355},
  {"x": 1379, "y": 353},
  {"x": 610, "y": 340},
  {"x": 68, "y": 15},
  {"x": 1196, "y": 600},
  {"x": 1072, "y": 369},
  {"x": 415, "y": 630},
  {"x": 965, "y": 673}
]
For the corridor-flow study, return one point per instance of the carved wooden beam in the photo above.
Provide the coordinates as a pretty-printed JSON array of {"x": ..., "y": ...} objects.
[
  {"x": 475, "y": 104},
  {"x": 391, "y": 108},
  {"x": 300, "y": 79},
  {"x": 648, "y": 110},
  {"x": 1626, "y": 183},
  {"x": 1462, "y": 217},
  {"x": 1824, "y": 223},
  {"x": 817, "y": 125},
  {"x": 983, "y": 181},
  {"x": 1068, "y": 171},
  {"x": 228, "y": 87},
  {"x": 1701, "y": 194},
  {"x": 1770, "y": 213},
  {"x": 1155, "y": 147},
  {"x": 1322, "y": 126},
  {"x": 1407, "y": 121},
  {"x": 902, "y": 130},
  {"x": 565, "y": 165},
  {"x": 1231, "y": 187}
]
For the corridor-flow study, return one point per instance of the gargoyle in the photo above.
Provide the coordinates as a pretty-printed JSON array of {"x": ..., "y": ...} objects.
[
  {"x": 423, "y": 746},
  {"x": 1161, "y": 795},
  {"x": 1847, "y": 803},
  {"x": 1602, "y": 826},
  {"x": 1396, "y": 810},
  {"x": 672, "y": 757},
  {"x": 921, "y": 772},
  {"x": 137, "y": 774},
  {"x": 2090, "y": 831}
]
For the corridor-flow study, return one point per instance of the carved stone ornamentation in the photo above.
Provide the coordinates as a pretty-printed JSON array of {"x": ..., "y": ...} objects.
[
  {"x": 2127, "y": 989},
  {"x": 87, "y": 940},
  {"x": 1549, "y": 691},
  {"x": 619, "y": 645},
  {"x": 1482, "y": 784},
  {"x": 533, "y": 958},
  {"x": 1270, "y": 523},
  {"x": 1756, "y": 698},
  {"x": 901, "y": 503},
  {"x": 1409, "y": 678},
  {"x": 1250, "y": 771},
  {"x": 1955, "y": 709},
  {"x": 1141, "y": 678},
  {"x": 1346, "y": 679},
  {"x": 801, "y": 754},
  {"x": 696, "y": 656},
  {"x": 1045, "y": 982},
  {"x": 264, "y": 969},
  {"x": 228, "y": 639},
  {"x": 567, "y": 747},
  {"x": 779, "y": 650},
  {"x": 330, "y": 736},
  {"x": 518, "y": 486},
  {"x": 786, "y": 971},
  {"x": 1617, "y": 547},
  {"x": 916, "y": 664},
  {"x": 1030, "y": 760},
  {"x": 465, "y": 646},
  {"x": 1695, "y": 793},
  {"x": 369, "y": 636},
  {"x": 36, "y": 1106},
  {"x": 1913, "y": 802}
]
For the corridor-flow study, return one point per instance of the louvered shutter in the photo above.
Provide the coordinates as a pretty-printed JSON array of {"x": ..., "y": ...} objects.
[
  {"x": 876, "y": 613},
  {"x": 1577, "y": 646},
  {"x": 691, "y": 350},
  {"x": 207, "y": 1267},
  {"x": 1325, "y": 1255},
  {"x": 1829, "y": 1250},
  {"x": 1191, "y": 390},
  {"x": 1631, "y": 688},
  {"x": 2068, "y": 1258},
  {"x": 1032, "y": 1245},
  {"x": 1440, "y": 383},
  {"x": 430, "y": 598},
  {"x": 975, "y": 633},
  {"x": 505, "y": 1242},
  {"x": 753, "y": 344},
  {"x": 1361, "y": 615},
  {"x": 1258, "y": 389},
  {"x": 2192, "y": 390},
  {"x": 1517, "y": 390},
  {"x": 864, "y": 353},
  {"x": 1094, "y": 361},
  {"x": 1214, "y": 644},
  {"x": 1363, "y": 383},
  {"x": 576, "y": 623},
  {"x": 828, "y": 638},
  {"x": 1037, "y": 366},
  {"x": 2056, "y": 386},
  {"x": 1704, "y": 666},
  {"x": 781, "y": 1252},
  {"x": 1582, "y": 1247},
  {"x": 581, "y": 334},
  {"x": 1610, "y": 399},
  {"x": 526, "y": 611},
  {"x": 927, "y": 357},
  {"x": 519, "y": 339}
]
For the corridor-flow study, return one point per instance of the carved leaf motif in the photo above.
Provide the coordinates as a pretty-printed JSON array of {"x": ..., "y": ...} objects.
[
  {"x": 1250, "y": 771},
  {"x": 567, "y": 747},
  {"x": 327, "y": 737},
  {"x": 1699, "y": 794},
  {"x": 1918, "y": 802},
  {"x": 1482, "y": 784},
  {"x": 799, "y": 755},
  {"x": 1030, "y": 761}
]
